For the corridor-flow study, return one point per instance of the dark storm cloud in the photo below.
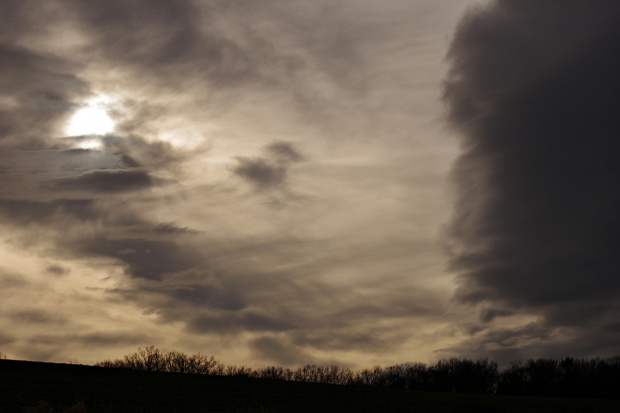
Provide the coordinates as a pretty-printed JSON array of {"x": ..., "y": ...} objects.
[
  {"x": 508, "y": 344},
  {"x": 25, "y": 212},
  {"x": 203, "y": 295},
  {"x": 107, "y": 338},
  {"x": 260, "y": 171},
  {"x": 116, "y": 152},
  {"x": 280, "y": 352},
  {"x": 170, "y": 228},
  {"x": 344, "y": 325},
  {"x": 6, "y": 338},
  {"x": 143, "y": 258},
  {"x": 104, "y": 181},
  {"x": 10, "y": 280},
  {"x": 164, "y": 35},
  {"x": 234, "y": 322},
  {"x": 270, "y": 171},
  {"x": 118, "y": 338},
  {"x": 173, "y": 41},
  {"x": 36, "y": 166},
  {"x": 137, "y": 151},
  {"x": 342, "y": 339},
  {"x": 284, "y": 152},
  {"x": 227, "y": 293},
  {"x": 194, "y": 297},
  {"x": 122, "y": 164},
  {"x": 534, "y": 92},
  {"x": 37, "y": 317},
  {"x": 20, "y": 17},
  {"x": 61, "y": 216},
  {"x": 490, "y": 314},
  {"x": 57, "y": 270},
  {"x": 219, "y": 51},
  {"x": 135, "y": 116},
  {"x": 36, "y": 93}
]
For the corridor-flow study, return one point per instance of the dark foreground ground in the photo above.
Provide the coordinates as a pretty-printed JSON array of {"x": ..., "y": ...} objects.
[{"x": 46, "y": 387}]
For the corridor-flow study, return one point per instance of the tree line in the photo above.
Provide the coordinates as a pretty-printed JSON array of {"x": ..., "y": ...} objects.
[{"x": 549, "y": 377}]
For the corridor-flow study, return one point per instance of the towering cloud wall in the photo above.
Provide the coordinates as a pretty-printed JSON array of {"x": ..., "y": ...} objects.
[{"x": 534, "y": 93}]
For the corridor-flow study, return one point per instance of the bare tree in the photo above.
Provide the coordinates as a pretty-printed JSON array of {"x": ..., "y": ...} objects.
[{"x": 238, "y": 371}]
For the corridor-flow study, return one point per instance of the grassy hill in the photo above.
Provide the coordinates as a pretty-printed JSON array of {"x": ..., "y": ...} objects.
[{"x": 47, "y": 387}]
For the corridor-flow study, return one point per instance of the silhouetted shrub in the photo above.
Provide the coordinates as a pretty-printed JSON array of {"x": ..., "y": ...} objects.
[
  {"x": 238, "y": 371},
  {"x": 152, "y": 359}
]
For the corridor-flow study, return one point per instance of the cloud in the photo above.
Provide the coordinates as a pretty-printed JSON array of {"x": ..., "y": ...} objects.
[
  {"x": 143, "y": 258},
  {"x": 10, "y": 280},
  {"x": 199, "y": 296},
  {"x": 489, "y": 314},
  {"x": 34, "y": 316},
  {"x": 46, "y": 346},
  {"x": 283, "y": 353},
  {"x": 103, "y": 182},
  {"x": 22, "y": 212},
  {"x": 6, "y": 338},
  {"x": 172, "y": 228},
  {"x": 269, "y": 172},
  {"x": 58, "y": 270},
  {"x": 100, "y": 338},
  {"x": 238, "y": 322},
  {"x": 533, "y": 92},
  {"x": 154, "y": 154},
  {"x": 168, "y": 37},
  {"x": 155, "y": 221},
  {"x": 260, "y": 172},
  {"x": 284, "y": 152},
  {"x": 37, "y": 93}
]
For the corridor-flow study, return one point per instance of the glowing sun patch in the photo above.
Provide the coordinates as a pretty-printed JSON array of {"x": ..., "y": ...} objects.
[
  {"x": 92, "y": 119},
  {"x": 90, "y": 144}
]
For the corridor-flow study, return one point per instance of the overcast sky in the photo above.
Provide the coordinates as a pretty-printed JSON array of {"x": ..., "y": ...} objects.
[{"x": 285, "y": 182}]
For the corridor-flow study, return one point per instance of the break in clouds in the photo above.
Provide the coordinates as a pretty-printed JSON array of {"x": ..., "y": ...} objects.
[
  {"x": 533, "y": 91},
  {"x": 273, "y": 189}
]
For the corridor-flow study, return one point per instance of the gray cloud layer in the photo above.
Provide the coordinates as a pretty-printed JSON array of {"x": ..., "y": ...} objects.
[{"x": 534, "y": 93}]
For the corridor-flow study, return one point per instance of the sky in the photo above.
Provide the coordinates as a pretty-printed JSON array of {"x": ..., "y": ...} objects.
[{"x": 284, "y": 182}]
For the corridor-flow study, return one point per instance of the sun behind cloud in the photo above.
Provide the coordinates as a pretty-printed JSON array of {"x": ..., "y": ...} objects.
[{"x": 91, "y": 119}]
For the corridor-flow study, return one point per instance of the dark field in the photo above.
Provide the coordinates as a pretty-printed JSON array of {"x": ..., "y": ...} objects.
[{"x": 46, "y": 387}]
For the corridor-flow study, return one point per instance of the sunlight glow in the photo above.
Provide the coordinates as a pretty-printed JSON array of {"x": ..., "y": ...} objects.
[
  {"x": 91, "y": 119},
  {"x": 90, "y": 144}
]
